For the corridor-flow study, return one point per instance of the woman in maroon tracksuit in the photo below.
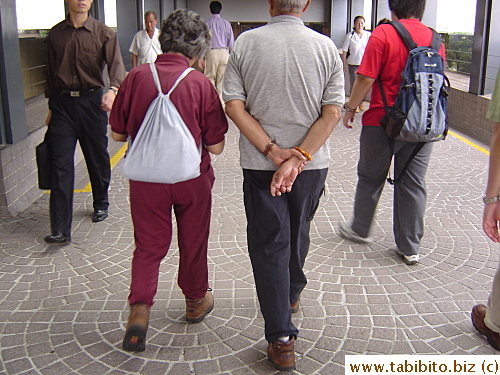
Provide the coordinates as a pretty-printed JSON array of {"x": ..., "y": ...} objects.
[{"x": 184, "y": 38}]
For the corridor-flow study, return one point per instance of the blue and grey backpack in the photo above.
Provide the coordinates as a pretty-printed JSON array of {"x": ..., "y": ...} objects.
[{"x": 419, "y": 113}]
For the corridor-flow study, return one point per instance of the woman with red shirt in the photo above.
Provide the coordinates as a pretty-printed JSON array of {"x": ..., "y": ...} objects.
[{"x": 184, "y": 39}]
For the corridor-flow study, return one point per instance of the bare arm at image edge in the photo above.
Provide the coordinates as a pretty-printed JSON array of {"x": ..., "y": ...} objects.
[{"x": 491, "y": 215}]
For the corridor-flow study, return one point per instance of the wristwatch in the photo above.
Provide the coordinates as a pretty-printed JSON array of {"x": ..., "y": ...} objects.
[
  {"x": 490, "y": 200},
  {"x": 348, "y": 109}
]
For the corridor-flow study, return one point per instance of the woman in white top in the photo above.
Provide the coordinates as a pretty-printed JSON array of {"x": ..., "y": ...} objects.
[{"x": 353, "y": 49}]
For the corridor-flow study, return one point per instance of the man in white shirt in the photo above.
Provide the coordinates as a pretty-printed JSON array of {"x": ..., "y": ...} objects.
[{"x": 145, "y": 46}]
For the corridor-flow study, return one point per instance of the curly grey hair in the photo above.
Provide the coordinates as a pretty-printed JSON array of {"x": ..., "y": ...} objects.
[
  {"x": 184, "y": 31},
  {"x": 290, "y": 6}
]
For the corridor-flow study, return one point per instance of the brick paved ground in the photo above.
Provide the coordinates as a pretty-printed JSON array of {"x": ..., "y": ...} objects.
[{"x": 63, "y": 308}]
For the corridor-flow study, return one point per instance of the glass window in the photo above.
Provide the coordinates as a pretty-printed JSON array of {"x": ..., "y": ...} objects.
[
  {"x": 46, "y": 14},
  {"x": 110, "y": 13},
  {"x": 456, "y": 25}
]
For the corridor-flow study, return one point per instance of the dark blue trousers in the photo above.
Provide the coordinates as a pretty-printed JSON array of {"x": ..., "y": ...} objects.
[
  {"x": 278, "y": 242},
  {"x": 77, "y": 118}
]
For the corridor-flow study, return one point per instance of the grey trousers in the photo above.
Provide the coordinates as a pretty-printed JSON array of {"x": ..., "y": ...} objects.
[
  {"x": 409, "y": 194},
  {"x": 492, "y": 319},
  {"x": 352, "y": 76}
]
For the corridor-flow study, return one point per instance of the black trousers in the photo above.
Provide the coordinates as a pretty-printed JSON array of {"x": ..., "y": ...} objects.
[
  {"x": 77, "y": 118},
  {"x": 278, "y": 243}
]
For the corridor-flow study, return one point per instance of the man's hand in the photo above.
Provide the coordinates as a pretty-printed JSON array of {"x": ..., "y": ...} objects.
[
  {"x": 107, "y": 100},
  {"x": 348, "y": 118},
  {"x": 359, "y": 90},
  {"x": 491, "y": 216},
  {"x": 279, "y": 155},
  {"x": 285, "y": 176}
]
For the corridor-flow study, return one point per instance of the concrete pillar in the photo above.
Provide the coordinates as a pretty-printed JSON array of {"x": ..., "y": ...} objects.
[
  {"x": 13, "y": 121},
  {"x": 430, "y": 13}
]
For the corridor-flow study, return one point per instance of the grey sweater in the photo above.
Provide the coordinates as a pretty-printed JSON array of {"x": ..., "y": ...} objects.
[{"x": 284, "y": 72}]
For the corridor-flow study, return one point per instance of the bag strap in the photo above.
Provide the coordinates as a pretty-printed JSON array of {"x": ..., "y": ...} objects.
[
  {"x": 404, "y": 34},
  {"x": 436, "y": 40},
  {"x": 382, "y": 93},
  {"x": 350, "y": 39},
  {"x": 409, "y": 43},
  {"x": 181, "y": 77},
  {"x": 414, "y": 153},
  {"x": 157, "y": 78}
]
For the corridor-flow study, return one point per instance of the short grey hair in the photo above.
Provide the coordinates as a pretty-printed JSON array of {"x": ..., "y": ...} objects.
[
  {"x": 184, "y": 31},
  {"x": 290, "y": 6},
  {"x": 150, "y": 13}
]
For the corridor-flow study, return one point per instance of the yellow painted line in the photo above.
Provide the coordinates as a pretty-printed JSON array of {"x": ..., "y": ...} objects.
[
  {"x": 116, "y": 157},
  {"x": 114, "y": 160},
  {"x": 472, "y": 144}
]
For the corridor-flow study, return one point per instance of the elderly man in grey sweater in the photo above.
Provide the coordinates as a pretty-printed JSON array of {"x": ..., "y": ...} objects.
[{"x": 284, "y": 89}]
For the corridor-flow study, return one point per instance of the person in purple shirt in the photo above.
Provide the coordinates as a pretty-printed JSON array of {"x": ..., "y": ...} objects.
[{"x": 222, "y": 42}]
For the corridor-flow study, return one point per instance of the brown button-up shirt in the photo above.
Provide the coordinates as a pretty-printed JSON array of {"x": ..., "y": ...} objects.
[{"x": 76, "y": 57}]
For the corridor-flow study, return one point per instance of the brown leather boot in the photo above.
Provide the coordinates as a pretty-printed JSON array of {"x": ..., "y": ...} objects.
[
  {"x": 282, "y": 354},
  {"x": 137, "y": 327},
  {"x": 478, "y": 314},
  {"x": 197, "y": 309},
  {"x": 295, "y": 306}
]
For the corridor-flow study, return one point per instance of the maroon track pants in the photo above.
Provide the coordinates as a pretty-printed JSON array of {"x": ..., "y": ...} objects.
[{"x": 151, "y": 206}]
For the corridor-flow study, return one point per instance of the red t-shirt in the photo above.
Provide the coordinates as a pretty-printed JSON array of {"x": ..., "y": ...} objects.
[
  {"x": 385, "y": 57},
  {"x": 195, "y": 98}
]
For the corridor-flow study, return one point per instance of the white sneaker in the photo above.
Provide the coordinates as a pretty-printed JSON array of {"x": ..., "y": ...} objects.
[
  {"x": 347, "y": 232},
  {"x": 409, "y": 259}
]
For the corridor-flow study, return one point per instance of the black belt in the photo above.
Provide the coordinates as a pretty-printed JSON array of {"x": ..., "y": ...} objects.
[{"x": 77, "y": 93}]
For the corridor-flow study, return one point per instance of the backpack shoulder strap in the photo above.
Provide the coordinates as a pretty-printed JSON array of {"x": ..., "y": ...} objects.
[
  {"x": 436, "y": 40},
  {"x": 155, "y": 77},
  {"x": 404, "y": 34},
  {"x": 181, "y": 77}
]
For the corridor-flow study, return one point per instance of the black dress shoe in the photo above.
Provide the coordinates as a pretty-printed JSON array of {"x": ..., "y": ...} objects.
[
  {"x": 57, "y": 237},
  {"x": 99, "y": 215}
]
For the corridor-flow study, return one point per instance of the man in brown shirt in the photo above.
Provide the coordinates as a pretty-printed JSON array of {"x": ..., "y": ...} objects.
[{"x": 78, "y": 49}]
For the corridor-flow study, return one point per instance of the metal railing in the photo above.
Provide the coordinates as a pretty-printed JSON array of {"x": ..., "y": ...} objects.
[{"x": 458, "y": 52}]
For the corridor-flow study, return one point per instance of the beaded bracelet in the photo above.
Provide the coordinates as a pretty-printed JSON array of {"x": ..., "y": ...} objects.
[
  {"x": 305, "y": 153},
  {"x": 269, "y": 147}
]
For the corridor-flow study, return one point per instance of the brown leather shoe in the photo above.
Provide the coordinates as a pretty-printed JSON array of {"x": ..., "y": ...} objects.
[
  {"x": 282, "y": 354},
  {"x": 197, "y": 309},
  {"x": 477, "y": 316},
  {"x": 137, "y": 327},
  {"x": 295, "y": 306}
]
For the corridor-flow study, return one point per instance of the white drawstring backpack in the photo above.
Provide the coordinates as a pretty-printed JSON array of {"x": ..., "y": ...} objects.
[{"x": 164, "y": 150}]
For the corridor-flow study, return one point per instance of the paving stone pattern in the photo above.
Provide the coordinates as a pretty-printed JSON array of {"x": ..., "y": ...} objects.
[{"x": 63, "y": 308}]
